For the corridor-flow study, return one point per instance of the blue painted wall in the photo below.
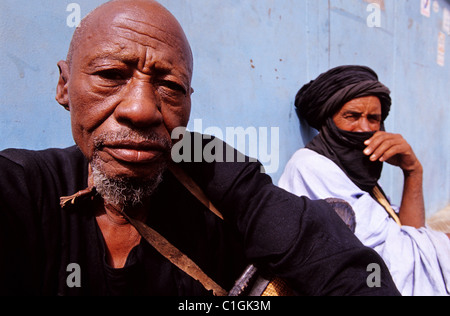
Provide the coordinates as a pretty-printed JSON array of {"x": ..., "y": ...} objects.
[{"x": 251, "y": 57}]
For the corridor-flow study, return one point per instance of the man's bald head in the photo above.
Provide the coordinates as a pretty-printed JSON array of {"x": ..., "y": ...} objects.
[{"x": 147, "y": 11}]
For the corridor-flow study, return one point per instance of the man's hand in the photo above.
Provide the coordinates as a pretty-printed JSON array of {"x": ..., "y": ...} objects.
[{"x": 393, "y": 149}]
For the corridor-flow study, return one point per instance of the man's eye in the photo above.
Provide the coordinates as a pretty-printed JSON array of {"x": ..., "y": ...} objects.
[
  {"x": 375, "y": 118},
  {"x": 112, "y": 74},
  {"x": 173, "y": 87},
  {"x": 353, "y": 116}
]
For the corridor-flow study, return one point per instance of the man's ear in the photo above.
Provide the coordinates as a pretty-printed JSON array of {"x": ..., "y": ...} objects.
[{"x": 62, "y": 90}]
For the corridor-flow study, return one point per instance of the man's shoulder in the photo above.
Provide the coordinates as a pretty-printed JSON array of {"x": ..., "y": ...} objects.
[
  {"x": 307, "y": 159},
  {"x": 67, "y": 161},
  {"x": 311, "y": 167},
  {"x": 25, "y": 157},
  {"x": 64, "y": 170}
]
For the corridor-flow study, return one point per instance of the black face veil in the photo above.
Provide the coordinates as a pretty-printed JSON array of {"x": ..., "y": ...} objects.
[{"x": 317, "y": 103}]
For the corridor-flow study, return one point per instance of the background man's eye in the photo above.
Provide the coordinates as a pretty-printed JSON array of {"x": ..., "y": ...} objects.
[
  {"x": 375, "y": 118},
  {"x": 354, "y": 117}
]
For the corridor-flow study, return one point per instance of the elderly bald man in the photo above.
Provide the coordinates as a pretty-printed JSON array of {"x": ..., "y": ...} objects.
[{"x": 130, "y": 222}]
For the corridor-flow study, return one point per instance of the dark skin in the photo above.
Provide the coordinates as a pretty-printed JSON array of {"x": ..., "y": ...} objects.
[
  {"x": 130, "y": 70},
  {"x": 364, "y": 115}
]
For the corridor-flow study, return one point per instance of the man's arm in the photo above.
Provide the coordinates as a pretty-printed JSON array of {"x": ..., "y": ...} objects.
[
  {"x": 19, "y": 236},
  {"x": 393, "y": 149},
  {"x": 299, "y": 240},
  {"x": 31, "y": 184}
]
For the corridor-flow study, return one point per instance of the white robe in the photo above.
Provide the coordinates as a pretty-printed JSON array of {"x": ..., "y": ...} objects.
[{"x": 418, "y": 259}]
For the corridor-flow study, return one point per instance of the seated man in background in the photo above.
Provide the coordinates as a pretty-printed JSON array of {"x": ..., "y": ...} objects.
[
  {"x": 127, "y": 219},
  {"x": 348, "y": 105}
]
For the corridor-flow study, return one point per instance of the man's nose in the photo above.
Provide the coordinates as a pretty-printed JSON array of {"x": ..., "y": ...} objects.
[{"x": 139, "y": 105}]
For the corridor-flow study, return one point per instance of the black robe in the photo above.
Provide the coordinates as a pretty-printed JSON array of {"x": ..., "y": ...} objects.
[{"x": 300, "y": 240}]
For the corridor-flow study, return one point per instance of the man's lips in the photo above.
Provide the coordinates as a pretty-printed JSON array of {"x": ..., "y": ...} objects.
[{"x": 137, "y": 153}]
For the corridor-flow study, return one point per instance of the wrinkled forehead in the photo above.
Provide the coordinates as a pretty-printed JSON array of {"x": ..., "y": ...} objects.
[
  {"x": 149, "y": 29},
  {"x": 136, "y": 34},
  {"x": 370, "y": 104}
]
